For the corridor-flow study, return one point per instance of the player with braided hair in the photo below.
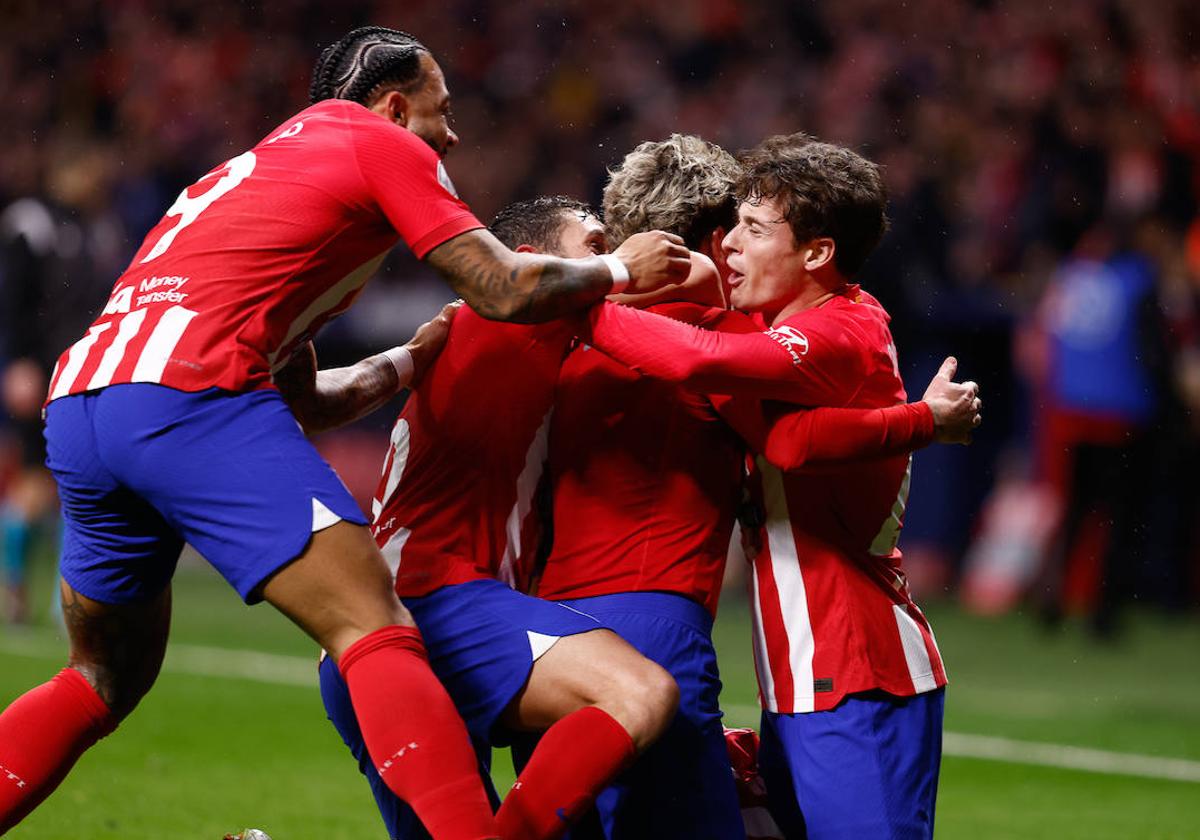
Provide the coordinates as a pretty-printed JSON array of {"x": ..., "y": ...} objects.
[
  {"x": 164, "y": 424},
  {"x": 366, "y": 58}
]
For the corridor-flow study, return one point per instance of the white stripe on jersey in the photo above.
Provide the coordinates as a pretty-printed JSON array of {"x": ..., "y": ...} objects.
[
  {"x": 393, "y": 548},
  {"x": 400, "y": 445},
  {"x": 334, "y": 295},
  {"x": 127, "y": 329},
  {"x": 76, "y": 356},
  {"x": 161, "y": 344},
  {"x": 762, "y": 661},
  {"x": 937, "y": 651},
  {"x": 789, "y": 582},
  {"x": 527, "y": 482},
  {"x": 915, "y": 654},
  {"x": 889, "y": 533}
]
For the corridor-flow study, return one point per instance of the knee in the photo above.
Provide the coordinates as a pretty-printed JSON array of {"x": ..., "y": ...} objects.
[{"x": 644, "y": 700}]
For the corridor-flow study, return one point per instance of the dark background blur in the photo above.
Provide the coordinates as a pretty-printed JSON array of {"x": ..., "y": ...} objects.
[{"x": 1043, "y": 162}]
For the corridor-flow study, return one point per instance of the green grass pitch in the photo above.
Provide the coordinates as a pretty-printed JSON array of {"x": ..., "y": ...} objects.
[{"x": 209, "y": 752}]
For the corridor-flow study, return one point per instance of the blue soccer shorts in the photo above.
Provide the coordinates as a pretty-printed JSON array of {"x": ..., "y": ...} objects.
[
  {"x": 683, "y": 786},
  {"x": 142, "y": 468},
  {"x": 867, "y": 768},
  {"x": 482, "y": 638}
]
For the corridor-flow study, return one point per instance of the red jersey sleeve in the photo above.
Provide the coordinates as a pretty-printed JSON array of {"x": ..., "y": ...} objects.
[
  {"x": 809, "y": 439},
  {"x": 407, "y": 181},
  {"x": 806, "y": 360}
]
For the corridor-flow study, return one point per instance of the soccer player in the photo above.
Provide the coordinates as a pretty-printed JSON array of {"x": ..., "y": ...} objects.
[
  {"x": 849, "y": 674},
  {"x": 646, "y": 478},
  {"x": 452, "y": 519},
  {"x": 163, "y": 425}
]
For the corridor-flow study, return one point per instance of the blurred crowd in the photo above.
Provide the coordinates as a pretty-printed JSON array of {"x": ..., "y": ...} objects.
[{"x": 1043, "y": 163}]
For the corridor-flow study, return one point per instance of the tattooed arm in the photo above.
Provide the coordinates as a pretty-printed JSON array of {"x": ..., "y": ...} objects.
[
  {"x": 530, "y": 288},
  {"x": 327, "y": 399}
]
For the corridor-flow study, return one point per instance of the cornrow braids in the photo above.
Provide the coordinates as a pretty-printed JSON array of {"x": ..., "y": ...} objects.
[{"x": 355, "y": 66}]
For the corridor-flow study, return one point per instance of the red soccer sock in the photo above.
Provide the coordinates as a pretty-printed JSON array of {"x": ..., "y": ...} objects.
[
  {"x": 573, "y": 763},
  {"x": 42, "y": 735},
  {"x": 414, "y": 734}
]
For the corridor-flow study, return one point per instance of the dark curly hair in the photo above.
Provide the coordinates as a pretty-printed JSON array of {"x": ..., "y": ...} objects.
[
  {"x": 823, "y": 190},
  {"x": 355, "y": 67},
  {"x": 537, "y": 222}
]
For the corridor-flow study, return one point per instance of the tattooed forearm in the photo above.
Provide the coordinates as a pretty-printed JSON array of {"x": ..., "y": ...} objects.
[
  {"x": 334, "y": 397},
  {"x": 342, "y": 395},
  {"x": 345, "y": 394},
  {"x": 526, "y": 288}
]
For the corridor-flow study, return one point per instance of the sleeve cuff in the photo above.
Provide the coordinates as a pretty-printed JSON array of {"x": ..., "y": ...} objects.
[{"x": 444, "y": 233}]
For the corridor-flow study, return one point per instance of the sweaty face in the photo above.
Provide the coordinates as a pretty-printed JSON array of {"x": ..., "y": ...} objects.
[
  {"x": 582, "y": 235},
  {"x": 765, "y": 265},
  {"x": 428, "y": 112}
]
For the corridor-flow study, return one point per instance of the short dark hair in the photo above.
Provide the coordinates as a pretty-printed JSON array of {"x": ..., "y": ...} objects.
[
  {"x": 823, "y": 189},
  {"x": 682, "y": 185},
  {"x": 364, "y": 60},
  {"x": 537, "y": 222}
]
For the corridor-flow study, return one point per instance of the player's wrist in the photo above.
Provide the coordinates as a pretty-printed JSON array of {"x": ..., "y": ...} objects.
[
  {"x": 618, "y": 271},
  {"x": 402, "y": 362}
]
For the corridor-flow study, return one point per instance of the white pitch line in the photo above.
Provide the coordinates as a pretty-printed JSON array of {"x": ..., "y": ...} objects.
[
  {"x": 1070, "y": 758},
  {"x": 273, "y": 668},
  {"x": 279, "y": 669},
  {"x": 199, "y": 660},
  {"x": 989, "y": 748}
]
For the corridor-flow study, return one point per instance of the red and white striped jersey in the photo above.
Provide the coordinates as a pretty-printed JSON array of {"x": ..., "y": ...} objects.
[
  {"x": 253, "y": 258},
  {"x": 455, "y": 500},
  {"x": 832, "y": 611}
]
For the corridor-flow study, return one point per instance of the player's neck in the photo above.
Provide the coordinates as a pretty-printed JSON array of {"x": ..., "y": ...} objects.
[{"x": 815, "y": 293}]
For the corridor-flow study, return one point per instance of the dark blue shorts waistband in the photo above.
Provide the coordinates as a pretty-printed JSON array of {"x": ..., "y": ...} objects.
[{"x": 668, "y": 605}]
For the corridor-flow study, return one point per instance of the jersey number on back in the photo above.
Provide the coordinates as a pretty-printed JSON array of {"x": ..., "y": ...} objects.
[{"x": 188, "y": 209}]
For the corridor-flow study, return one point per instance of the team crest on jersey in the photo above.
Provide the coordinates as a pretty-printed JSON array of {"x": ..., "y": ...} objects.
[
  {"x": 444, "y": 180},
  {"x": 791, "y": 340}
]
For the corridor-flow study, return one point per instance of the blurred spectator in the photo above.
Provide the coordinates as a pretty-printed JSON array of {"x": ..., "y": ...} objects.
[
  {"x": 59, "y": 254},
  {"x": 1007, "y": 131},
  {"x": 1104, "y": 387}
]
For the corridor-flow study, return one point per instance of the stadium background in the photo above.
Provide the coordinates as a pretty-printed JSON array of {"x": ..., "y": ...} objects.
[{"x": 1026, "y": 146}]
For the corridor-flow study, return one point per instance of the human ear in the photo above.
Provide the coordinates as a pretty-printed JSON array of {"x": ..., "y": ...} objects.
[{"x": 819, "y": 253}]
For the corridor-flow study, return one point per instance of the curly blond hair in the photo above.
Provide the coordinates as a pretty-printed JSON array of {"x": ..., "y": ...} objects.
[{"x": 683, "y": 185}]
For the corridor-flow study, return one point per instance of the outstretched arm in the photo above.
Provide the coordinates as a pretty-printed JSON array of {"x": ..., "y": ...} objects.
[
  {"x": 795, "y": 439},
  {"x": 775, "y": 364},
  {"x": 810, "y": 439},
  {"x": 328, "y": 399},
  {"x": 530, "y": 288}
]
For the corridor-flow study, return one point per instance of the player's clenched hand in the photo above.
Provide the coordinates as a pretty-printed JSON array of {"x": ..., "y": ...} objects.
[
  {"x": 654, "y": 259},
  {"x": 956, "y": 406},
  {"x": 429, "y": 340}
]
